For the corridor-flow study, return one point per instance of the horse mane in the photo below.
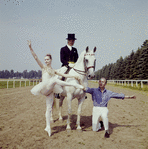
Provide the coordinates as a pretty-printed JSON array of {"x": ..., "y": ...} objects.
[{"x": 81, "y": 57}]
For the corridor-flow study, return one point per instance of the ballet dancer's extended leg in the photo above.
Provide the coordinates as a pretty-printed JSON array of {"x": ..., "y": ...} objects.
[
  {"x": 49, "y": 88},
  {"x": 49, "y": 102},
  {"x": 63, "y": 83}
]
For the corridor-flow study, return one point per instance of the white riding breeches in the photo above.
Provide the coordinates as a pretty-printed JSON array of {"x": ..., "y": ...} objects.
[{"x": 97, "y": 112}]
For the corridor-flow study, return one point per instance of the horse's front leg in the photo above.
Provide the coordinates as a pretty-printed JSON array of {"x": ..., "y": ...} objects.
[
  {"x": 60, "y": 107},
  {"x": 49, "y": 102},
  {"x": 69, "y": 99},
  {"x": 80, "y": 102}
]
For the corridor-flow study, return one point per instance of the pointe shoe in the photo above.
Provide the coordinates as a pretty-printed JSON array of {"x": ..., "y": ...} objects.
[{"x": 48, "y": 131}]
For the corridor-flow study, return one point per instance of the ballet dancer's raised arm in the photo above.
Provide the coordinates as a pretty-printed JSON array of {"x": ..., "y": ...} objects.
[{"x": 34, "y": 55}]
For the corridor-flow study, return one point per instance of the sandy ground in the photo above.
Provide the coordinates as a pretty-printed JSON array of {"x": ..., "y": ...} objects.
[{"x": 22, "y": 122}]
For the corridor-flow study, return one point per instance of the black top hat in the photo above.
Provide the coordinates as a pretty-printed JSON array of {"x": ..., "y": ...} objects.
[{"x": 71, "y": 36}]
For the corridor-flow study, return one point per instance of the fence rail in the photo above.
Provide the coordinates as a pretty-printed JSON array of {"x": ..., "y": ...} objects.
[
  {"x": 18, "y": 83},
  {"x": 128, "y": 82}
]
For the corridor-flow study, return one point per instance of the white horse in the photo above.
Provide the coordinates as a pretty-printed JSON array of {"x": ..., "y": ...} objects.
[{"x": 84, "y": 69}]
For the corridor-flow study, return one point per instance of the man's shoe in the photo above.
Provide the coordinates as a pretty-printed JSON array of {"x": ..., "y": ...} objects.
[
  {"x": 107, "y": 135},
  {"x": 101, "y": 123}
]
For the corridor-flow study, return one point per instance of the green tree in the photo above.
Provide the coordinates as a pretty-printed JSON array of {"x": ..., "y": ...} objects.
[
  {"x": 11, "y": 73},
  {"x": 119, "y": 69},
  {"x": 2, "y": 74},
  {"x": 131, "y": 63},
  {"x": 136, "y": 64},
  {"x": 143, "y": 61},
  {"x": 25, "y": 74},
  {"x": 6, "y": 74}
]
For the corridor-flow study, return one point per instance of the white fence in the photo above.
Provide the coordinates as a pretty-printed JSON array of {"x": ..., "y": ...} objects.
[
  {"x": 128, "y": 82},
  {"x": 34, "y": 82}
]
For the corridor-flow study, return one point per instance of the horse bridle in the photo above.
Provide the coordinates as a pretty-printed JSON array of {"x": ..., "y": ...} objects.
[{"x": 86, "y": 68}]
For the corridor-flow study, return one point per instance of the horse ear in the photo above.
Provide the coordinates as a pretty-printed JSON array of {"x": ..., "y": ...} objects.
[
  {"x": 95, "y": 49},
  {"x": 86, "y": 49}
]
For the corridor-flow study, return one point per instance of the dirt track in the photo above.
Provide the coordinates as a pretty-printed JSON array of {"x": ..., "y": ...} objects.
[{"x": 22, "y": 122}]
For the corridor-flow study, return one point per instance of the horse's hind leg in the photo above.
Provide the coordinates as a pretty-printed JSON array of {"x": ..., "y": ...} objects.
[
  {"x": 80, "y": 102},
  {"x": 69, "y": 98},
  {"x": 51, "y": 116},
  {"x": 60, "y": 107}
]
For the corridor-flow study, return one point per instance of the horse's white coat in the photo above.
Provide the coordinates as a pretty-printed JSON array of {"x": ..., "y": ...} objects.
[{"x": 84, "y": 67}]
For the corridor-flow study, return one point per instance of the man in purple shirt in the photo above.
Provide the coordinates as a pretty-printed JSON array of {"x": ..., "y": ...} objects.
[{"x": 100, "y": 97}]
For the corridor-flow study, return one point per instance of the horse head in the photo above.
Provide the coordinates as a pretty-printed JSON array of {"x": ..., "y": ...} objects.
[
  {"x": 85, "y": 64},
  {"x": 89, "y": 62}
]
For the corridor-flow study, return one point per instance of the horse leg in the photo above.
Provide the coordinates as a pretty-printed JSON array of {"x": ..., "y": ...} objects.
[
  {"x": 80, "y": 102},
  {"x": 60, "y": 107},
  {"x": 51, "y": 116},
  {"x": 49, "y": 102},
  {"x": 69, "y": 98}
]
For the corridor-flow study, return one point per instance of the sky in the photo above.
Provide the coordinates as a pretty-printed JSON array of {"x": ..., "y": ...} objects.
[{"x": 115, "y": 27}]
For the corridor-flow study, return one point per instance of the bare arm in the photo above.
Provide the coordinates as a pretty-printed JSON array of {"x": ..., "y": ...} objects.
[
  {"x": 34, "y": 55},
  {"x": 66, "y": 75},
  {"x": 130, "y": 97}
]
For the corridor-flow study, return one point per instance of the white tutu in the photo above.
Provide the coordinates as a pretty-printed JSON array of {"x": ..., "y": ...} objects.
[
  {"x": 43, "y": 88},
  {"x": 47, "y": 85}
]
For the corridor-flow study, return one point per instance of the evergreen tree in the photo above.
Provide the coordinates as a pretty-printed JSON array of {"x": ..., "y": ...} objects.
[
  {"x": 6, "y": 74},
  {"x": 143, "y": 61},
  {"x": 136, "y": 64},
  {"x": 11, "y": 73},
  {"x": 119, "y": 69},
  {"x": 112, "y": 72},
  {"x": 25, "y": 74},
  {"x": 131, "y": 57},
  {"x": 2, "y": 74}
]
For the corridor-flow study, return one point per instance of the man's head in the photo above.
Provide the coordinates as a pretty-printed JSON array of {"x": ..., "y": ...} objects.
[
  {"x": 102, "y": 82},
  {"x": 71, "y": 39}
]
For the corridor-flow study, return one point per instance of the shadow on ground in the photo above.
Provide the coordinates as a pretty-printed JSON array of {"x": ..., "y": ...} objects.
[{"x": 86, "y": 122}]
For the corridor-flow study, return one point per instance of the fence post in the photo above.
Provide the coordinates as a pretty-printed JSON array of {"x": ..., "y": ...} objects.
[
  {"x": 14, "y": 84},
  {"x": 141, "y": 84},
  {"x": 7, "y": 84},
  {"x": 136, "y": 84},
  {"x": 132, "y": 83}
]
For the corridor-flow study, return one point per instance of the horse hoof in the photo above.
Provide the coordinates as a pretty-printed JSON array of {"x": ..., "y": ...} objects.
[
  {"x": 51, "y": 121},
  {"x": 79, "y": 130},
  {"x": 48, "y": 130},
  {"x": 68, "y": 130},
  {"x": 60, "y": 120}
]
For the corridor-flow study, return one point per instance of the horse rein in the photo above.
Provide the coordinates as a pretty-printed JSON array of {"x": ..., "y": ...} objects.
[
  {"x": 80, "y": 72},
  {"x": 86, "y": 68}
]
